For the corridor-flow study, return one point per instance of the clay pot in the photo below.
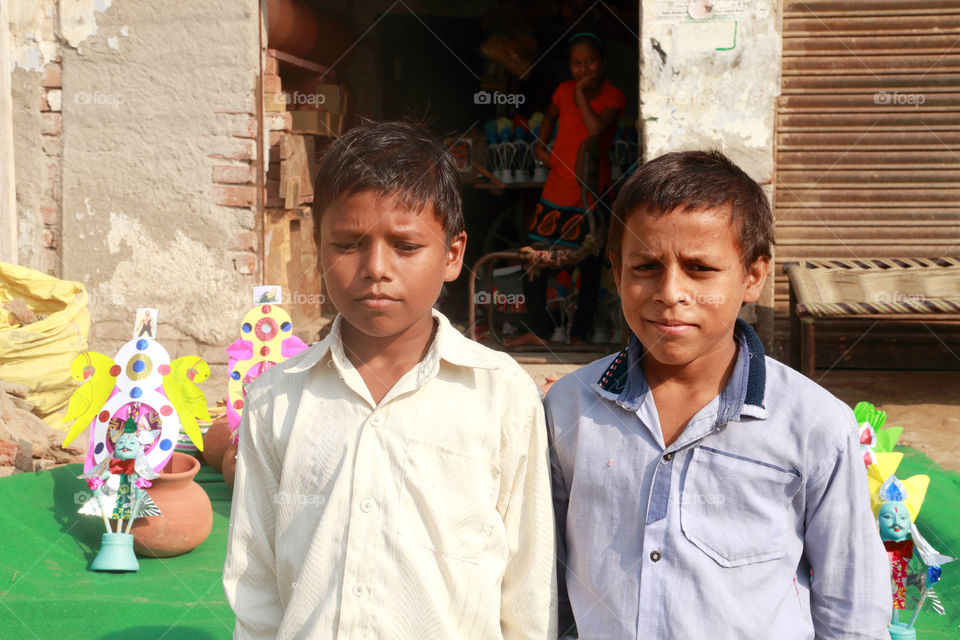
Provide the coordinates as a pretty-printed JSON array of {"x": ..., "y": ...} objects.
[
  {"x": 186, "y": 516},
  {"x": 230, "y": 464},
  {"x": 215, "y": 442},
  {"x": 291, "y": 26}
]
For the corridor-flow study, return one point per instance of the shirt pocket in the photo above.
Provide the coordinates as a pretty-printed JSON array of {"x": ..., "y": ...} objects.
[
  {"x": 447, "y": 501},
  {"x": 735, "y": 509}
]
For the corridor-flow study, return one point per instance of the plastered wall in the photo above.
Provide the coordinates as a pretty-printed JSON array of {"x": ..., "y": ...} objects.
[{"x": 117, "y": 187}]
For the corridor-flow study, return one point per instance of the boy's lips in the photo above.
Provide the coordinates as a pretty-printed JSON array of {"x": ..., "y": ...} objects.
[
  {"x": 376, "y": 301},
  {"x": 671, "y": 327}
]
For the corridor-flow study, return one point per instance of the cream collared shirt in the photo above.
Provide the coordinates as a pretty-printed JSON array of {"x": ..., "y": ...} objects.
[{"x": 427, "y": 515}]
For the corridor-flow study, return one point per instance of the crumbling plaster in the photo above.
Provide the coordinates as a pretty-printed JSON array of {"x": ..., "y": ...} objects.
[{"x": 151, "y": 90}]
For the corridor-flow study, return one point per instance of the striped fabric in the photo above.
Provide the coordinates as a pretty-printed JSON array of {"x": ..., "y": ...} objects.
[{"x": 900, "y": 286}]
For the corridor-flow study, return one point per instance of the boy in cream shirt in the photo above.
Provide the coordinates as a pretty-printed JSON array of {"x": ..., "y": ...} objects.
[{"x": 393, "y": 479}]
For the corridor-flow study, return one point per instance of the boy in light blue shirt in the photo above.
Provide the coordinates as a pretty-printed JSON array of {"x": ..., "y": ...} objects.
[{"x": 701, "y": 489}]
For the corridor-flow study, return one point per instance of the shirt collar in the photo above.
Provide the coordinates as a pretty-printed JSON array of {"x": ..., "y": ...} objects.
[
  {"x": 623, "y": 381},
  {"x": 448, "y": 344}
]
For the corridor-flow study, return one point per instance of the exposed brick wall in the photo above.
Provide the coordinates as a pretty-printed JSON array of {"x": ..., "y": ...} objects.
[
  {"x": 234, "y": 186},
  {"x": 51, "y": 143}
]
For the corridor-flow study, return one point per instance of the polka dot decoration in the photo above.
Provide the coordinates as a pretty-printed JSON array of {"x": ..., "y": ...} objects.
[
  {"x": 139, "y": 367},
  {"x": 265, "y": 329}
]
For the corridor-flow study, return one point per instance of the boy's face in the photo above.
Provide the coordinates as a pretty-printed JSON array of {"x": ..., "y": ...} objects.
[
  {"x": 682, "y": 280},
  {"x": 384, "y": 266}
]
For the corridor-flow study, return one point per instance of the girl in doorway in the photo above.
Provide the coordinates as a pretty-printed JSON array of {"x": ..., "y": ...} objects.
[{"x": 588, "y": 105}]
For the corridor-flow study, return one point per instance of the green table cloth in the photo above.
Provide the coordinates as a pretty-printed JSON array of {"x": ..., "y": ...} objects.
[{"x": 46, "y": 590}]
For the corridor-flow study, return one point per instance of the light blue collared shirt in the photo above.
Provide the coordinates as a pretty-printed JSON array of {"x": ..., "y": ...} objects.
[{"x": 754, "y": 524}]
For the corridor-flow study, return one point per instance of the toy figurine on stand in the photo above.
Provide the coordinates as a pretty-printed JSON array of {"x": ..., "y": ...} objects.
[
  {"x": 267, "y": 339},
  {"x": 897, "y": 503},
  {"x": 134, "y": 405},
  {"x": 119, "y": 485}
]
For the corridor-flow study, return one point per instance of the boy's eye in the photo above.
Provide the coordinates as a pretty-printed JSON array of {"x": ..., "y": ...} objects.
[
  {"x": 344, "y": 246},
  {"x": 408, "y": 247},
  {"x": 646, "y": 266},
  {"x": 701, "y": 267}
]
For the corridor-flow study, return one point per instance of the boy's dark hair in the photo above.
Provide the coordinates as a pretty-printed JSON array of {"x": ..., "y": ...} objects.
[
  {"x": 697, "y": 180},
  {"x": 397, "y": 159},
  {"x": 589, "y": 38}
]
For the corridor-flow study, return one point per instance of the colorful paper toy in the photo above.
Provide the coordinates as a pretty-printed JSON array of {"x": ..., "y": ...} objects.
[
  {"x": 135, "y": 405},
  {"x": 897, "y": 503},
  {"x": 99, "y": 376},
  {"x": 181, "y": 388},
  {"x": 119, "y": 484},
  {"x": 267, "y": 339},
  {"x": 873, "y": 439},
  {"x": 143, "y": 384}
]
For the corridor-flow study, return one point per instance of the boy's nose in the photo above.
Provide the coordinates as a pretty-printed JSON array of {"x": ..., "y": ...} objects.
[
  {"x": 377, "y": 263},
  {"x": 671, "y": 290}
]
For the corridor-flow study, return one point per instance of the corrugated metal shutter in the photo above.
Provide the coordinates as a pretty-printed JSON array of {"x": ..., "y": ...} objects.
[{"x": 868, "y": 155}]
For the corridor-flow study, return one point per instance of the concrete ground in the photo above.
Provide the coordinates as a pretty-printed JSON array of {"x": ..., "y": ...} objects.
[{"x": 925, "y": 403}]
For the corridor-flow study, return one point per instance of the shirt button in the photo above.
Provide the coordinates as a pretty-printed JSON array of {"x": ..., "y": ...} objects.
[
  {"x": 376, "y": 420},
  {"x": 655, "y": 556},
  {"x": 366, "y": 505},
  {"x": 667, "y": 457},
  {"x": 359, "y": 590}
]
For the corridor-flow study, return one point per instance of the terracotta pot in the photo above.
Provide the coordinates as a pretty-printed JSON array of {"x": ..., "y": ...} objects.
[
  {"x": 291, "y": 26},
  {"x": 230, "y": 464},
  {"x": 215, "y": 442},
  {"x": 186, "y": 516}
]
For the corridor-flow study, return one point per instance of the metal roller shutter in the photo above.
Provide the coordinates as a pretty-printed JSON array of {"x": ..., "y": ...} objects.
[{"x": 868, "y": 157}]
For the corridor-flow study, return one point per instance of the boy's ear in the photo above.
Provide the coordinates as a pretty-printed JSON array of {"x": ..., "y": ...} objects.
[
  {"x": 453, "y": 259},
  {"x": 756, "y": 275}
]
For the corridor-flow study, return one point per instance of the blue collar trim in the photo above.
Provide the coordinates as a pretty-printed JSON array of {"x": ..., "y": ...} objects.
[{"x": 623, "y": 380}]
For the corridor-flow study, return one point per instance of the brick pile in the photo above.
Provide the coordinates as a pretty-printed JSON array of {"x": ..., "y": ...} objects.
[{"x": 26, "y": 442}]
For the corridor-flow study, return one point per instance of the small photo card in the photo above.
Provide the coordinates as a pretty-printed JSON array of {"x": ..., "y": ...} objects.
[
  {"x": 145, "y": 325},
  {"x": 268, "y": 294}
]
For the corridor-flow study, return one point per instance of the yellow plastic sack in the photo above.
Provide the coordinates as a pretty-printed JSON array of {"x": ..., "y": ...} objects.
[{"x": 39, "y": 355}]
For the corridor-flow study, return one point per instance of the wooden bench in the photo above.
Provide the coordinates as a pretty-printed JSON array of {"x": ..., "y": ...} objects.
[{"x": 897, "y": 289}]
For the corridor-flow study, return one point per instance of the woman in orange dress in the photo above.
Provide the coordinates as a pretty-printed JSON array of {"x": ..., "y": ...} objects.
[{"x": 588, "y": 105}]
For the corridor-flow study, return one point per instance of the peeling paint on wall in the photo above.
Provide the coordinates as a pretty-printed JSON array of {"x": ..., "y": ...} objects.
[
  {"x": 151, "y": 264},
  {"x": 33, "y": 33},
  {"x": 695, "y": 95},
  {"x": 77, "y": 19}
]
